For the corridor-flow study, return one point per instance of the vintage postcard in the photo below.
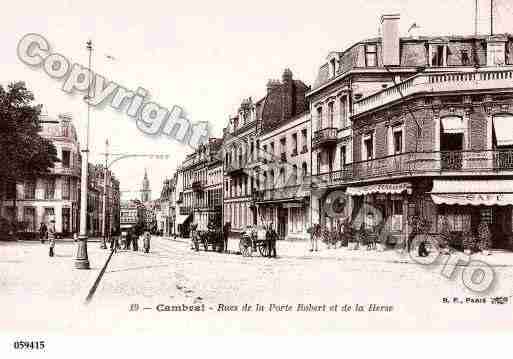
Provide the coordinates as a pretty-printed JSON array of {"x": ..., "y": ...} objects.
[{"x": 260, "y": 168}]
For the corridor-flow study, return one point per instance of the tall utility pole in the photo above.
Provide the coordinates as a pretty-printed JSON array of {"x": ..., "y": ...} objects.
[
  {"x": 82, "y": 260},
  {"x": 476, "y": 10},
  {"x": 491, "y": 17},
  {"x": 104, "y": 209}
]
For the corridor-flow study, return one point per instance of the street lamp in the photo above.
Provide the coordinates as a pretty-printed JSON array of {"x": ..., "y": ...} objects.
[
  {"x": 104, "y": 209},
  {"x": 82, "y": 260}
]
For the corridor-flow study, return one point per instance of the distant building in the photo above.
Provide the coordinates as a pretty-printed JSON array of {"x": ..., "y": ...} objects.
[{"x": 132, "y": 215}]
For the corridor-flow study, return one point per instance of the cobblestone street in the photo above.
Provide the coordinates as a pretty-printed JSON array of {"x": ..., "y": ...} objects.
[{"x": 42, "y": 293}]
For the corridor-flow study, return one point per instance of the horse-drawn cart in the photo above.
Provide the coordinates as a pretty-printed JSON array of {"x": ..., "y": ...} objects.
[
  {"x": 206, "y": 239},
  {"x": 260, "y": 239}
]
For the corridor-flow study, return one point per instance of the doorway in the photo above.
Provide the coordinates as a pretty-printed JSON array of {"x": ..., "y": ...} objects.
[{"x": 283, "y": 220}]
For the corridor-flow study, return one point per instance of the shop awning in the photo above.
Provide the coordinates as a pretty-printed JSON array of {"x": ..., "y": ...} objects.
[
  {"x": 392, "y": 188},
  {"x": 503, "y": 126},
  {"x": 452, "y": 124},
  {"x": 473, "y": 192},
  {"x": 181, "y": 218}
]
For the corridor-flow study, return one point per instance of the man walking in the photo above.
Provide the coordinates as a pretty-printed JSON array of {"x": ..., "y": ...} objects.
[
  {"x": 43, "y": 232},
  {"x": 51, "y": 237}
]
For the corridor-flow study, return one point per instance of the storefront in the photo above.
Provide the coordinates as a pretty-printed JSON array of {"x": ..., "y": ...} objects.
[
  {"x": 384, "y": 203},
  {"x": 466, "y": 203},
  {"x": 289, "y": 218}
]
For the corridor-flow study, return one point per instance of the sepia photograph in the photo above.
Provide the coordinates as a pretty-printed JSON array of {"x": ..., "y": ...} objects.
[{"x": 267, "y": 168}]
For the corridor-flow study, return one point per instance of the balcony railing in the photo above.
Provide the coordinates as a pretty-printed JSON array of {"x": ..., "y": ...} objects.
[
  {"x": 66, "y": 171},
  {"x": 437, "y": 82},
  {"x": 280, "y": 193},
  {"x": 185, "y": 211},
  {"x": 283, "y": 157},
  {"x": 423, "y": 163},
  {"x": 325, "y": 136}
]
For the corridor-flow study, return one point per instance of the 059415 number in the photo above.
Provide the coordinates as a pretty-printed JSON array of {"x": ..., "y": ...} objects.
[{"x": 29, "y": 345}]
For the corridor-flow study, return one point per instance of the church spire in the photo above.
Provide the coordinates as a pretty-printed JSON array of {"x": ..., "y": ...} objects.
[{"x": 145, "y": 191}]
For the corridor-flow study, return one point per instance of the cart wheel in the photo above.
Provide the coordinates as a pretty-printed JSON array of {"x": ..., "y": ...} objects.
[
  {"x": 263, "y": 249},
  {"x": 245, "y": 250}
]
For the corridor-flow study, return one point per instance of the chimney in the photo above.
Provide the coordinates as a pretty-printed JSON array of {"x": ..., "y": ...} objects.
[
  {"x": 390, "y": 39},
  {"x": 287, "y": 95}
]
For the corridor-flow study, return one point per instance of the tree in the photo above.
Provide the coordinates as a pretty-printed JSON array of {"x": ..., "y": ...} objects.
[{"x": 24, "y": 154}]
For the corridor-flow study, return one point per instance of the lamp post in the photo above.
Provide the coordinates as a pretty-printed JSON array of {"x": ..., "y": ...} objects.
[
  {"x": 82, "y": 260},
  {"x": 104, "y": 209}
]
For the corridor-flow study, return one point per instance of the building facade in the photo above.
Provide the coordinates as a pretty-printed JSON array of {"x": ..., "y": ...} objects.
[
  {"x": 430, "y": 132},
  {"x": 247, "y": 161},
  {"x": 54, "y": 195},
  {"x": 199, "y": 187},
  {"x": 283, "y": 197}
]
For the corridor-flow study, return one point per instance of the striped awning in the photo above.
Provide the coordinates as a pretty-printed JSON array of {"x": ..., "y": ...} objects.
[
  {"x": 392, "y": 188},
  {"x": 473, "y": 192}
]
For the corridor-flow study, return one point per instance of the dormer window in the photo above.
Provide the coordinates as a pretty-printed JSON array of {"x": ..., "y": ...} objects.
[
  {"x": 370, "y": 56},
  {"x": 438, "y": 54},
  {"x": 333, "y": 67}
]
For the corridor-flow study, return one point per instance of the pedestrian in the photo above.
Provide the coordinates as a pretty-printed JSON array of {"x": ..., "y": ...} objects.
[
  {"x": 146, "y": 241},
  {"x": 314, "y": 237},
  {"x": 113, "y": 241},
  {"x": 51, "y": 237},
  {"x": 226, "y": 233},
  {"x": 271, "y": 236},
  {"x": 135, "y": 242},
  {"x": 43, "y": 232}
]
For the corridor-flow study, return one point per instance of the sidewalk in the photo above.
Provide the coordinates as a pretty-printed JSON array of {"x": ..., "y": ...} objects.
[{"x": 301, "y": 249}]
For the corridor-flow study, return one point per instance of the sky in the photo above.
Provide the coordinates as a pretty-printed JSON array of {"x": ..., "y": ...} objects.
[{"x": 203, "y": 56}]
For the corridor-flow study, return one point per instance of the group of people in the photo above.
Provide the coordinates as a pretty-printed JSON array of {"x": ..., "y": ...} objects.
[
  {"x": 131, "y": 241},
  {"x": 47, "y": 232}
]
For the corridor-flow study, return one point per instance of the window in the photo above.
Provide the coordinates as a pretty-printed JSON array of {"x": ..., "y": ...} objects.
[
  {"x": 50, "y": 188},
  {"x": 30, "y": 189},
  {"x": 330, "y": 114},
  {"x": 304, "y": 170},
  {"x": 368, "y": 146},
  {"x": 397, "y": 215},
  {"x": 10, "y": 191},
  {"x": 66, "y": 184},
  {"x": 49, "y": 211},
  {"x": 343, "y": 158},
  {"x": 66, "y": 159},
  {"x": 333, "y": 67},
  {"x": 294, "y": 175},
  {"x": 343, "y": 112},
  {"x": 465, "y": 59},
  {"x": 304, "y": 140},
  {"x": 319, "y": 118},
  {"x": 29, "y": 216},
  {"x": 370, "y": 56},
  {"x": 438, "y": 55},
  {"x": 398, "y": 140},
  {"x": 282, "y": 177},
  {"x": 457, "y": 220},
  {"x": 272, "y": 150},
  {"x": 294, "y": 143},
  {"x": 283, "y": 145}
]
